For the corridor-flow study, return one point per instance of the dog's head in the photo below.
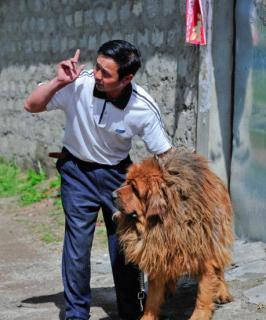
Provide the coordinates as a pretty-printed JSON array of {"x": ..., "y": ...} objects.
[{"x": 141, "y": 198}]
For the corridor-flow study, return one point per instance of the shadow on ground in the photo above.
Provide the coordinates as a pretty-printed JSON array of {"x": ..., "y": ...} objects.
[
  {"x": 102, "y": 297},
  {"x": 180, "y": 306}
]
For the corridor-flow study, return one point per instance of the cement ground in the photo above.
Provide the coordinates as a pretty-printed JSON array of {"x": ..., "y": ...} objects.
[{"x": 30, "y": 280}]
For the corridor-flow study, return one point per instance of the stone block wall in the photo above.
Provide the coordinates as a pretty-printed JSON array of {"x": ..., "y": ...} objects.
[{"x": 36, "y": 34}]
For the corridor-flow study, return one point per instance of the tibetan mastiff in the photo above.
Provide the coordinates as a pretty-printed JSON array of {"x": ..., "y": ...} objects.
[{"x": 175, "y": 219}]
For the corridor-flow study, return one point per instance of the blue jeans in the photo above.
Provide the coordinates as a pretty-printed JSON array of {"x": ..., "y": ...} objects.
[{"x": 84, "y": 189}]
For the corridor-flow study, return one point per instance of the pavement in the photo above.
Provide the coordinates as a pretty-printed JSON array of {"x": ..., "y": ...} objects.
[{"x": 30, "y": 281}]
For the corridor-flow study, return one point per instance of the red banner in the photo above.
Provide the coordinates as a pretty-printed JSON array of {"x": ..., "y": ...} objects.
[{"x": 195, "y": 22}]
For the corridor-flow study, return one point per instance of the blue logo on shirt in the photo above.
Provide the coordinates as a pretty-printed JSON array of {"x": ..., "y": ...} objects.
[{"x": 120, "y": 131}]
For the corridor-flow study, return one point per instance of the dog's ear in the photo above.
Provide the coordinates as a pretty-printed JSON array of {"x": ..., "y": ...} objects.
[
  {"x": 180, "y": 185},
  {"x": 156, "y": 203}
]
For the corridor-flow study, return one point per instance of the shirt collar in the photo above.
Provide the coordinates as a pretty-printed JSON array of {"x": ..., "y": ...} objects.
[{"x": 119, "y": 102}]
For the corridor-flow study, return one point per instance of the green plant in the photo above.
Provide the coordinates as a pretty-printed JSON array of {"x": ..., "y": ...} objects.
[
  {"x": 30, "y": 186},
  {"x": 28, "y": 190},
  {"x": 55, "y": 183},
  {"x": 8, "y": 178},
  {"x": 30, "y": 194},
  {"x": 48, "y": 237}
]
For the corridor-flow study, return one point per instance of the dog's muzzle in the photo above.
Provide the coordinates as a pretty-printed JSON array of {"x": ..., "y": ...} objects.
[
  {"x": 132, "y": 215},
  {"x": 116, "y": 215}
]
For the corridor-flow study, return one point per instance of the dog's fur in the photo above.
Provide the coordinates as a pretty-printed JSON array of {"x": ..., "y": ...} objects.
[{"x": 176, "y": 219}]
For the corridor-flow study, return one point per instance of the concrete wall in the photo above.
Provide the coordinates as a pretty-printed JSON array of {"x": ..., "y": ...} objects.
[
  {"x": 214, "y": 118},
  {"x": 36, "y": 34}
]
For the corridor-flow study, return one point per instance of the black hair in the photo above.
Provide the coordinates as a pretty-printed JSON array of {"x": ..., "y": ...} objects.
[{"x": 125, "y": 54}]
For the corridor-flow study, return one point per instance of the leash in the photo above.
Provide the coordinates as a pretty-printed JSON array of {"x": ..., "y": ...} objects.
[{"x": 141, "y": 293}]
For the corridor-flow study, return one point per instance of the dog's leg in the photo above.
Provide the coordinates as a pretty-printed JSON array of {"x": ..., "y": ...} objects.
[
  {"x": 204, "y": 303},
  {"x": 222, "y": 295},
  {"x": 155, "y": 298}
]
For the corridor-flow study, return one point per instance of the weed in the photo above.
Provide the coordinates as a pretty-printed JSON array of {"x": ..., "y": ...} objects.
[
  {"x": 48, "y": 237},
  {"x": 28, "y": 186},
  {"x": 58, "y": 203},
  {"x": 30, "y": 194},
  {"x": 61, "y": 221},
  {"x": 55, "y": 213},
  {"x": 8, "y": 178},
  {"x": 34, "y": 177},
  {"x": 22, "y": 220},
  {"x": 31, "y": 187},
  {"x": 56, "y": 182}
]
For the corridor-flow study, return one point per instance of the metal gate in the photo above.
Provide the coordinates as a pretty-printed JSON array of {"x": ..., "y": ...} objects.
[{"x": 248, "y": 168}]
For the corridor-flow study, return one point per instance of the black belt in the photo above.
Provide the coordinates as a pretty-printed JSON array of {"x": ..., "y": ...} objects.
[{"x": 65, "y": 155}]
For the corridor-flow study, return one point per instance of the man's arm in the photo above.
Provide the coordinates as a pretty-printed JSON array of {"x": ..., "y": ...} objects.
[
  {"x": 67, "y": 72},
  {"x": 39, "y": 98},
  {"x": 161, "y": 155}
]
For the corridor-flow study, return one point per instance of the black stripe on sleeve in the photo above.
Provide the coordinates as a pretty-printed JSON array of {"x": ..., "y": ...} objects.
[
  {"x": 86, "y": 74},
  {"x": 153, "y": 108},
  {"x": 149, "y": 103}
]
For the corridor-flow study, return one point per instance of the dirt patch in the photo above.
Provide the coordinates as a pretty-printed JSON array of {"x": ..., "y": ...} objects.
[
  {"x": 30, "y": 271},
  {"x": 30, "y": 267},
  {"x": 45, "y": 221}
]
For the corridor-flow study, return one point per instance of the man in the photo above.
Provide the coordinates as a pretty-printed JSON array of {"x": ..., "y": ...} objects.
[{"x": 104, "y": 109}]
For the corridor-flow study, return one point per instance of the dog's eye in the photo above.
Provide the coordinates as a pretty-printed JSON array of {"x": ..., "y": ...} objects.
[{"x": 135, "y": 190}]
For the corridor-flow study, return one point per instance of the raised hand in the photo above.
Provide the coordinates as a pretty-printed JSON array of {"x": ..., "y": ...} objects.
[{"x": 68, "y": 70}]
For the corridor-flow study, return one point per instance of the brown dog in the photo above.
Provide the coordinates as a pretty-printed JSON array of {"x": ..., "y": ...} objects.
[{"x": 176, "y": 219}]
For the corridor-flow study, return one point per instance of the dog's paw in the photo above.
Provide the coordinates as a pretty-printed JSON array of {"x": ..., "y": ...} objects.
[
  {"x": 201, "y": 314},
  {"x": 224, "y": 298}
]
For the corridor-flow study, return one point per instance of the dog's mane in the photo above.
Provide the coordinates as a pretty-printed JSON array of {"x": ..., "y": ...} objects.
[{"x": 195, "y": 226}]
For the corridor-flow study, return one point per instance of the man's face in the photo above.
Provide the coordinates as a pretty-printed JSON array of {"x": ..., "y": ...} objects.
[{"x": 107, "y": 78}]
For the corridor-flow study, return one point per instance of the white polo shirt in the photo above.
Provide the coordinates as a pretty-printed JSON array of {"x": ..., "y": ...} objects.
[{"x": 98, "y": 130}]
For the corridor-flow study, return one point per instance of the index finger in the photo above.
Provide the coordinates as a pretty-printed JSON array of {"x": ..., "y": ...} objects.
[{"x": 76, "y": 56}]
